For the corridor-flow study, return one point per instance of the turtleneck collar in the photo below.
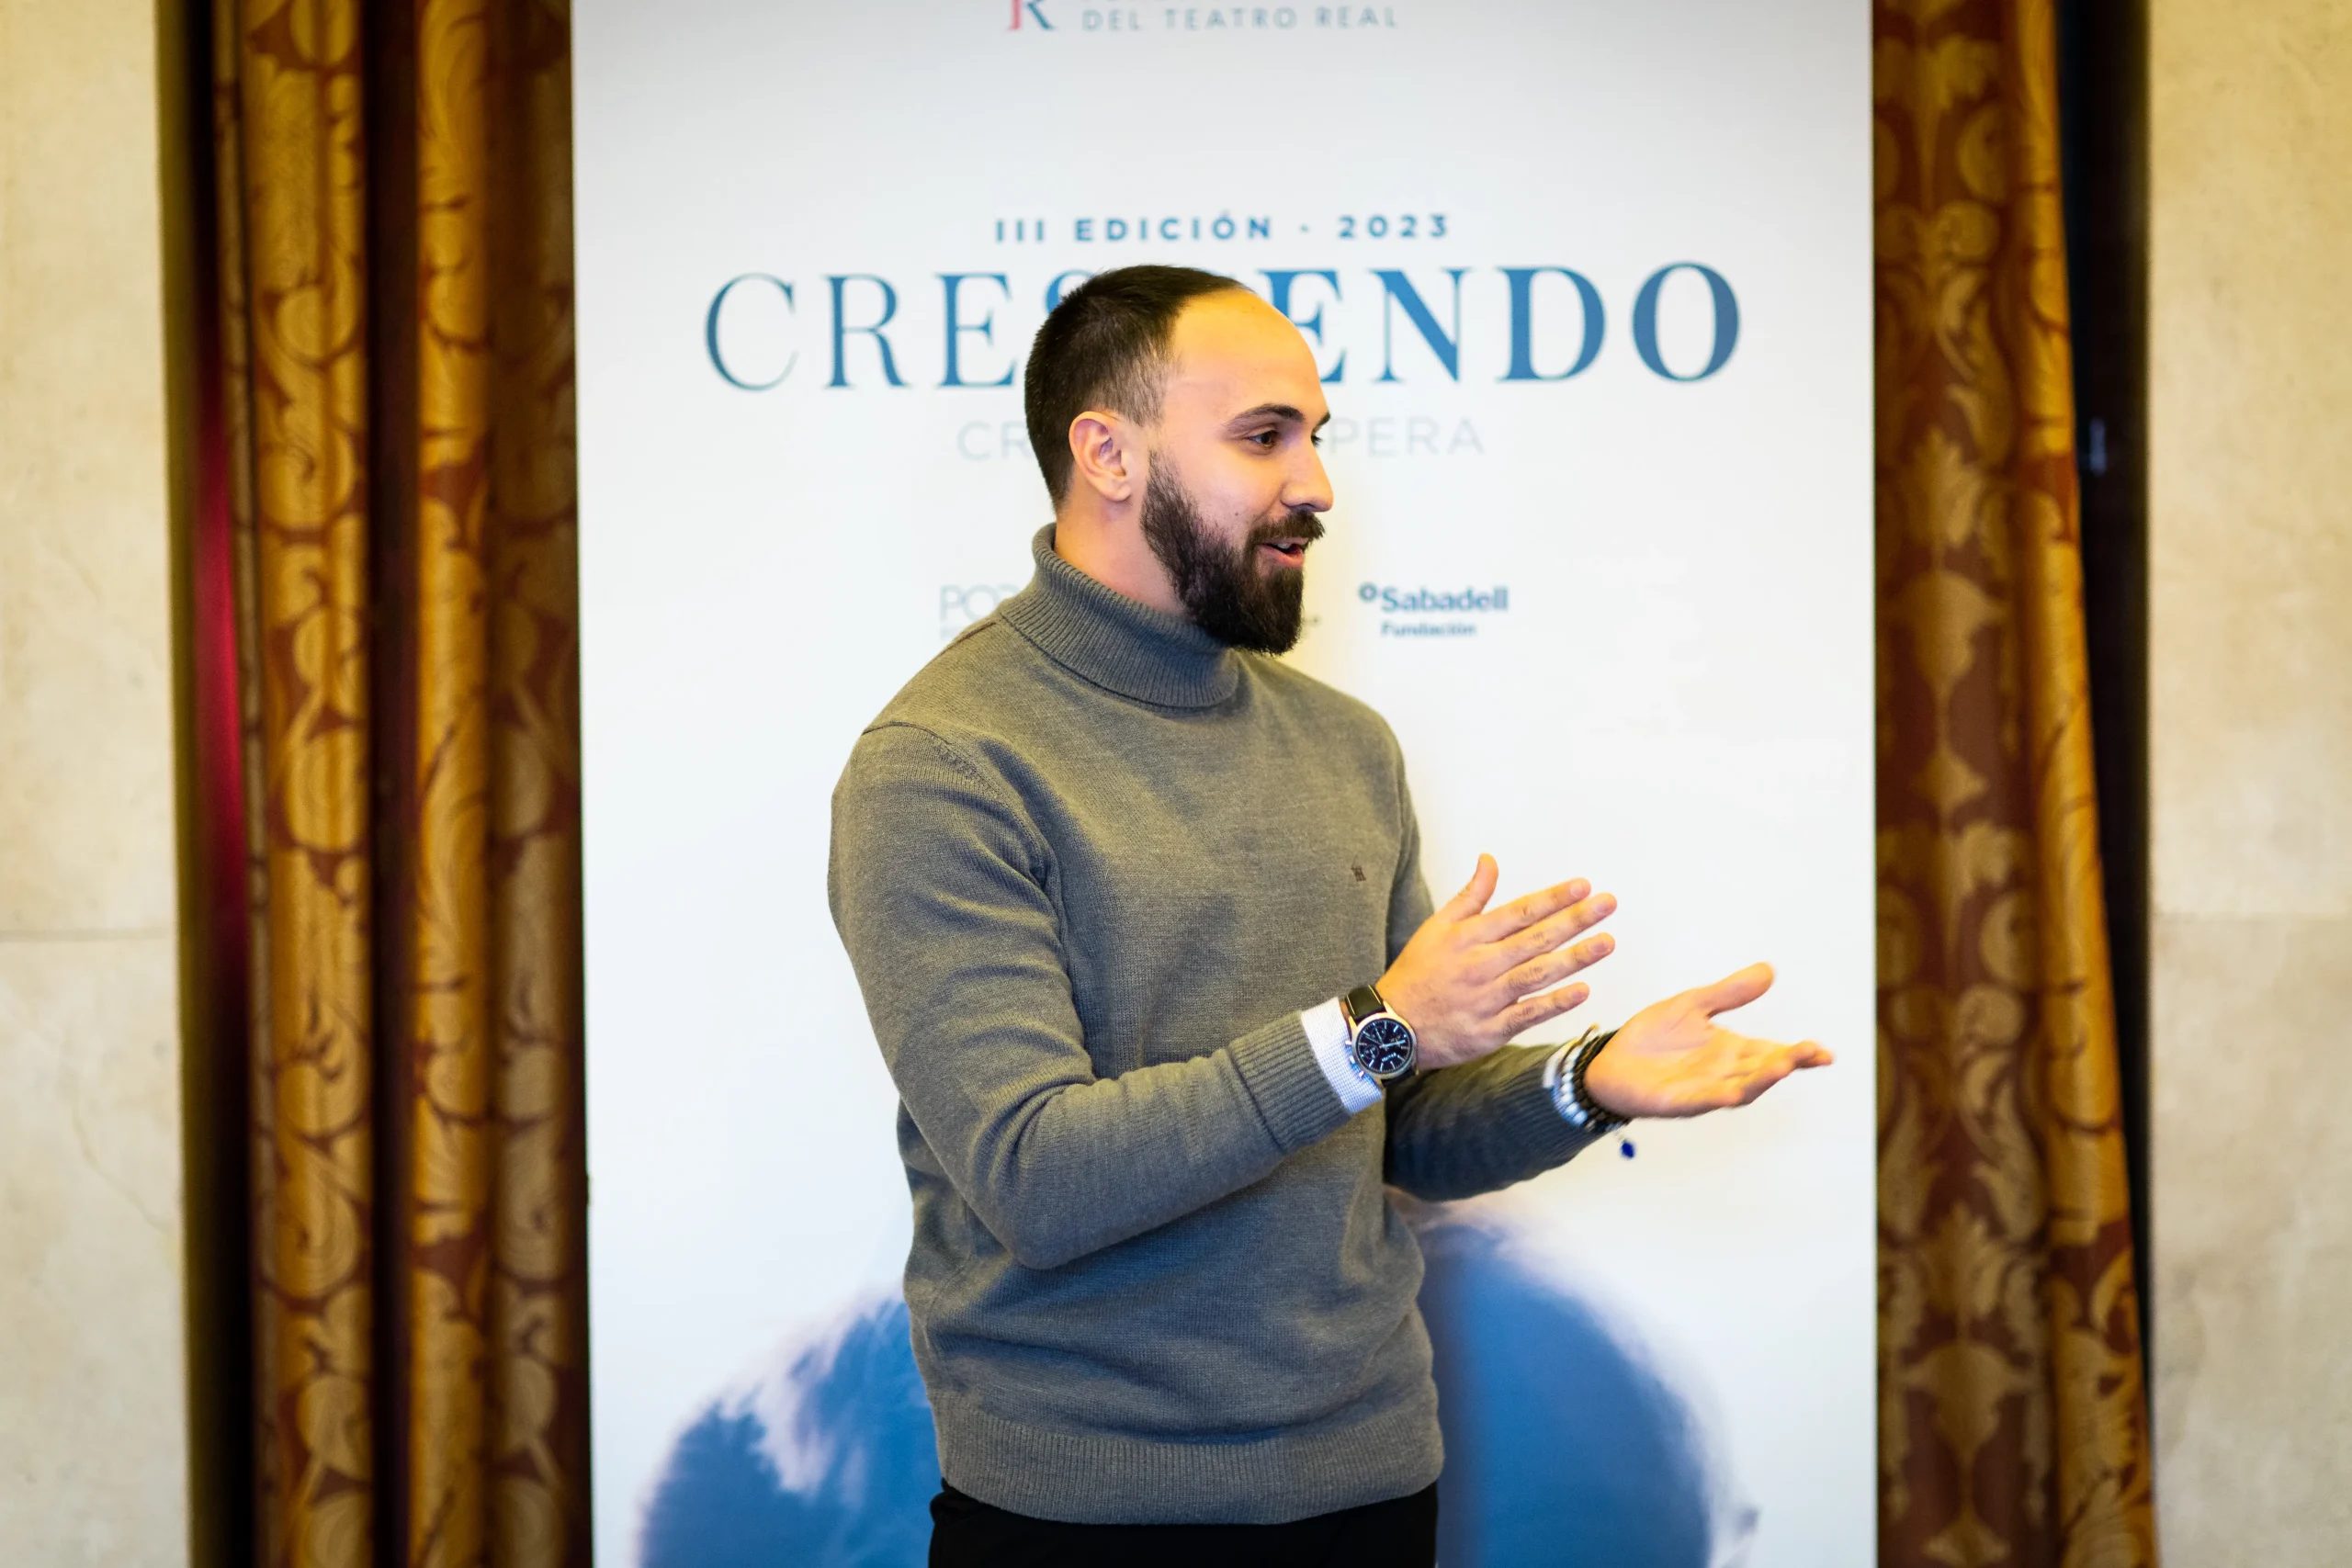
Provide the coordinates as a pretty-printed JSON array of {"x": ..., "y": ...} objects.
[{"x": 1116, "y": 642}]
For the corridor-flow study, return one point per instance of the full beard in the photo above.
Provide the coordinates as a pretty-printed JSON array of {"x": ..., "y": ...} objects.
[{"x": 1227, "y": 593}]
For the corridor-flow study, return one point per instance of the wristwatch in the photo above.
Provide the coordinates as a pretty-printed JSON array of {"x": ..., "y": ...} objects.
[{"x": 1380, "y": 1044}]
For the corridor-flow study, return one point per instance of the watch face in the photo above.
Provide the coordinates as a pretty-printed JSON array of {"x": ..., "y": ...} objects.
[{"x": 1384, "y": 1047}]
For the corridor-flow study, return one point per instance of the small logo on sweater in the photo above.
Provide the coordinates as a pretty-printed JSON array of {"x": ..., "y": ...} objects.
[{"x": 1359, "y": 871}]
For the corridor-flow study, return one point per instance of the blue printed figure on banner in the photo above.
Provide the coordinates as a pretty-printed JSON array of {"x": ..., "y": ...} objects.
[{"x": 1564, "y": 1444}]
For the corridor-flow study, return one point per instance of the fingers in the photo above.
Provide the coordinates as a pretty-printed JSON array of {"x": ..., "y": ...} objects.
[
  {"x": 1749, "y": 1092},
  {"x": 1549, "y": 969},
  {"x": 1529, "y": 1011},
  {"x": 1778, "y": 1062},
  {"x": 1553, "y": 931},
  {"x": 1474, "y": 891},
  {"x": 1734, "y": 990},
  {"x": 1522, "y": 912}
]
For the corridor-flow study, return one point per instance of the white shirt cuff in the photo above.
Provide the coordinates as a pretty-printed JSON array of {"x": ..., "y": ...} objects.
[{"x": 1327, "y": 1031}]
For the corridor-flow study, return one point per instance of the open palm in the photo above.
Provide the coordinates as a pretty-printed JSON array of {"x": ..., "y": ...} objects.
[{"x": 1673, "y": 1059}]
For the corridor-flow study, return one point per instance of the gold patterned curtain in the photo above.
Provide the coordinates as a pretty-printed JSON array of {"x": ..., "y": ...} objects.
[
  {"x": 2013, "y": 1429},
  {"x": 392, "y": 205}
]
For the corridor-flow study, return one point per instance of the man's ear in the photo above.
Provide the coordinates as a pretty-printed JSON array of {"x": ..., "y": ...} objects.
[{"x": 1107, "y": 454}]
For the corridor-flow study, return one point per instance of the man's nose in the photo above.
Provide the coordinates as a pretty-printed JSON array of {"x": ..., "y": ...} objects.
[{"x": 1310, "y": 488}]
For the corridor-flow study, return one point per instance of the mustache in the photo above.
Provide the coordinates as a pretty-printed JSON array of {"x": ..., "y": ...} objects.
[{"x": 1301, "y": 525}]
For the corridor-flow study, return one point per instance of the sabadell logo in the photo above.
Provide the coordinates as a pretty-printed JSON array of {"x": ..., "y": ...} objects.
[{"x": 1432, "y": 602}]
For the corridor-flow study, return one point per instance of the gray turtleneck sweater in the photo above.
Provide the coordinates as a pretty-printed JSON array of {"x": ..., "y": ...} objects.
[{"x": 1090, "y": 865}]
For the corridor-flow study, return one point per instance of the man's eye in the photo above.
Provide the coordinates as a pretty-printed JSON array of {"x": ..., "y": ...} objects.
[{"x": 1267, "y": 438}]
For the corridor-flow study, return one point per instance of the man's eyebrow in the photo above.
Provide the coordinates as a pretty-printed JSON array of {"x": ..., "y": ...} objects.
[{"x": 1279, "y": 410}]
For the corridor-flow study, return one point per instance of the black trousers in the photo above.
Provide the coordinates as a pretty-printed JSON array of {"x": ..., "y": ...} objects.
[{"x": 1400, "y": 1533}]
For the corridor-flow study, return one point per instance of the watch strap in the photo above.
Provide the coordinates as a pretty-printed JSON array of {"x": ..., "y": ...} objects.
[{"x": 1361, "y": 1004}]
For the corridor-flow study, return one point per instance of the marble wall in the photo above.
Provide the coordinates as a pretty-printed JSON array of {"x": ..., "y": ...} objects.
[
  {"x": 2251, "y": 785},
  {"x": 92, "y": 1383}
]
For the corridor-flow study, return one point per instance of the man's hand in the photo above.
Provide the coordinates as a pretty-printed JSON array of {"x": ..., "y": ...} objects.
[
  {"x": 1670, "y": 1058},
  {"x": 1471, "y": 978}
]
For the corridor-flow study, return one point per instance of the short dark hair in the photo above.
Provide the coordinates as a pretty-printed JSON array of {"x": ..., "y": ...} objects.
[{"x": 1105, "y": 346}]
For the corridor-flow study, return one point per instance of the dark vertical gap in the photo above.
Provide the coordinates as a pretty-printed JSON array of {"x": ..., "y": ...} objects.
[
  {"x": 387, "y": 90},
  {"x": 215, "y": 1082},
  {"x": 2103, "y": 141}
]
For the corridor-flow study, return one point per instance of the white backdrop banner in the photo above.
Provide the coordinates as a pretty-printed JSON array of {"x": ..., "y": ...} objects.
[{"x": 1589, "y": 283}]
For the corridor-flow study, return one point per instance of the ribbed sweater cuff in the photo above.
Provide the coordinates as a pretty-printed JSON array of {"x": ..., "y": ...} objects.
[
  {"x": 1278, "y": 1068},
  {"x": 1527, "y": 1117}
]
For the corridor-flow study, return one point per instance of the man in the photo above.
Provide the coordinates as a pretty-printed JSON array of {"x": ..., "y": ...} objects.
[{"x": 1138, "y": 915}]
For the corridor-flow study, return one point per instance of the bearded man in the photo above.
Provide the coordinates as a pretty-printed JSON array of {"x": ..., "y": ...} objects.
[{"x": 1139, "y": 916}]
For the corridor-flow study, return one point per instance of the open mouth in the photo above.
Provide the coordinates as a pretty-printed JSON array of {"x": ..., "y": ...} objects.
[{"x": 1292, "y": 550}]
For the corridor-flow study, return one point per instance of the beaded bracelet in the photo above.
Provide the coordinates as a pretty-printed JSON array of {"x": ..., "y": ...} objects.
[
  {"x": 1575, "y": 1101},
  {"x": 1589, "y": 1109}
]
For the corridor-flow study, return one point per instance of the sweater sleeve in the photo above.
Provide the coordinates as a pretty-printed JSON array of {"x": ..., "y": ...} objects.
[
  {"x": 1408, "y": 890},
  {"x": 1461, "y": 1130},
  {"x": 938, "y": 886}
]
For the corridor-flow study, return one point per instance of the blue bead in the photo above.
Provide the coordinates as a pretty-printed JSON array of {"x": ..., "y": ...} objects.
[{"x": 1626, "y": 1148}]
